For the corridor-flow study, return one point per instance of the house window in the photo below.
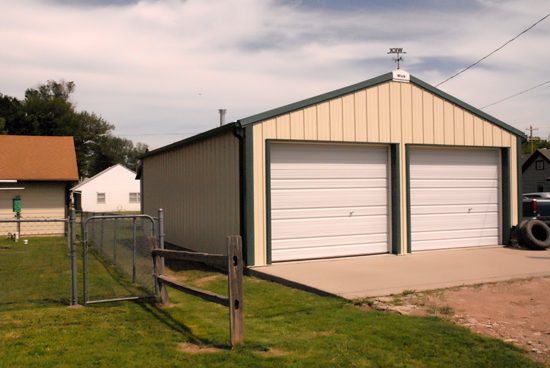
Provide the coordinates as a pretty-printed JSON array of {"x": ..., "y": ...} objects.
[
  {"x": 135, "y": 197},
  {"x": 100, "y": 197},
  {"x": 540, "y": 165}
]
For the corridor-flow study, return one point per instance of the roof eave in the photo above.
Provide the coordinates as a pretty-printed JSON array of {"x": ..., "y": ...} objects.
[
  {"x": 315, "y": 100},
  {"x": 466, "y": 106}
]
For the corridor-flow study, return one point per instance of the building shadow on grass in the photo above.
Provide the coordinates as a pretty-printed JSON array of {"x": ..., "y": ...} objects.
[{"x": 165, "y": 318}]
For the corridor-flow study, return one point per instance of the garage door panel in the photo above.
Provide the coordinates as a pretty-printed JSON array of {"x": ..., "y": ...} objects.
[
  {"x": 468, "y": 157},
  {"x": 326, "y": 252},
  {"x": 328, "y": 212},
  {"x": 313, "y": 154},
  {"x": 455, "y": 197},
  {"x": 446, "y": 172},
  {"x": 429, "y": 197},
  {"x": 367, "y": 240},
  {"x": 328, "y": 200},
  {"x": 454, "y": 183},
  {"x": 456, "y": 234},
  {"x": 287, "y": 229},
  {"x": 340, "y": 171},
  {"x": 327, "y": 183},
  {"x": 458, "y": 243},
  {"x": 322, "y": 198},
  {"x": 458, "y": 221},
  {"x": 452, "y": 209}
]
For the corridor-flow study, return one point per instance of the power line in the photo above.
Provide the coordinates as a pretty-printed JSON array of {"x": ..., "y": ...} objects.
[
  {"x": 480, "y": 60},
  {"x": 517, "y": 94}
]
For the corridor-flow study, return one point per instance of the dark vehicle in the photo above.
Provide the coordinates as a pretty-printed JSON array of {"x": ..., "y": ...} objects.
[{"x": 534, "y": 231}]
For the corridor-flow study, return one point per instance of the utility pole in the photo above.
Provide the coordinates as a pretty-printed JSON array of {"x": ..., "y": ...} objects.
[{"x": 531, "y": 139}]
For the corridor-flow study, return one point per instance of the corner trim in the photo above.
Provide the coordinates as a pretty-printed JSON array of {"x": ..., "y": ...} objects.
[
  {"x": 506, "y": 203},
  {"x": 408, "y": 184},
  {"x": 250, "y": 250},
  {"x": 395, "y": 177},
  {"x": 268, "y": 246}
]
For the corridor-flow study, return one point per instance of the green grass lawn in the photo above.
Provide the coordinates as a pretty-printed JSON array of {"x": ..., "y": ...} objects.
[{"x": 283, "y": 326}]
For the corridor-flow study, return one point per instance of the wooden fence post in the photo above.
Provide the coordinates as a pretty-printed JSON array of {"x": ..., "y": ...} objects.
[
  {"x": 236, "y": 292},
  {"x": 163, "y": 290}
]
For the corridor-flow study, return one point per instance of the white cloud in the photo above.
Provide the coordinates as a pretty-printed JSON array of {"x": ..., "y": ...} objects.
[{"x": 167, "y": 66}]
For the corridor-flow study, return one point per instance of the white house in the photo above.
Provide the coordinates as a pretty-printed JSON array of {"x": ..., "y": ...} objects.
[{"x": 113, "y": 189}]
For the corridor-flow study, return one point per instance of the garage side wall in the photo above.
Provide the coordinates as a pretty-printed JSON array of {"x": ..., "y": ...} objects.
[
  {"x": 393, "y": 112},
  {"x": 39, "y": 200},
  {"x": 197, "y": 186}
]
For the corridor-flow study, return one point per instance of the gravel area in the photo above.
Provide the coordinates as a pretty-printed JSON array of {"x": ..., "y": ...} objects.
[{"x": 515, "y": 311}]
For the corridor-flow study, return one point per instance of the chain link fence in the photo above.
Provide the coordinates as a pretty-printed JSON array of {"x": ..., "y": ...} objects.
[
  {"x": 32, "y": 226},
  {"x": 118, "y": 264}
]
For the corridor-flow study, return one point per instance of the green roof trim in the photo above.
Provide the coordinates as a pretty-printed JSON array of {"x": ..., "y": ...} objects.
[
  {"x": 315, "y": 100},
  {"x": 193, "y": 139},
  {"x": 388, "y": 77}
]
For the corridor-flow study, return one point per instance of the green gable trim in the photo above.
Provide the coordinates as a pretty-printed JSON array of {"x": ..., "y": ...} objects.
[
  {"x": 371, "y": 83},
  {"x": 315, "y": 100},
  {"x": 465, "y": 106},
  {"x": 506, "y": 195},
  {"x": 194, "y": 139}
]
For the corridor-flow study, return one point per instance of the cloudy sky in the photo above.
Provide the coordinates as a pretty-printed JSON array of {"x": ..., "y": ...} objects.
[{"x": 159, "y": 70}]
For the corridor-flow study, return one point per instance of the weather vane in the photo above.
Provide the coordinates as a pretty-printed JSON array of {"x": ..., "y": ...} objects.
[{"x": 397, "y": 50}]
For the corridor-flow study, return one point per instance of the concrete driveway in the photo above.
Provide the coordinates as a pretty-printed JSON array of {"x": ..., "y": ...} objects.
[{"x": 376, "y": 275}]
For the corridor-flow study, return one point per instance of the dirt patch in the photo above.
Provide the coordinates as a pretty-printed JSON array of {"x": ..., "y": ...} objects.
[
  {"x": 515, "y": 311},
  {"x": 196, "y": 349}
]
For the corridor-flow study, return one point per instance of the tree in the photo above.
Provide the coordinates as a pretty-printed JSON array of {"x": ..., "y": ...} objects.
[
  {"x": 48, "y": 110},
  {"x": 115, "y": 150},
  {"x": 537, "y": 144}
]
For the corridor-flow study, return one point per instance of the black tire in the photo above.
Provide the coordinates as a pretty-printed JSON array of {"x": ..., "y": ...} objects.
[
  {"x": 535, "y": 235},
  {"x": 519, "y": 238}
]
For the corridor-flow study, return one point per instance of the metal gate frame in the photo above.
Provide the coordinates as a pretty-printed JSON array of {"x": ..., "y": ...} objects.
[{"x": 86, "y": 284}]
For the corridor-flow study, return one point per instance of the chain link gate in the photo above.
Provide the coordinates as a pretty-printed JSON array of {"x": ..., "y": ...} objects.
[{"x": 117, "y": 260}]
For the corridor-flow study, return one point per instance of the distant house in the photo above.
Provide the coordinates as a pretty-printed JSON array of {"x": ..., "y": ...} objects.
[
  {"x": 40, "y": 170},
  {"x": 536, "y": 172},
  {"x": 113, "y": 189}
]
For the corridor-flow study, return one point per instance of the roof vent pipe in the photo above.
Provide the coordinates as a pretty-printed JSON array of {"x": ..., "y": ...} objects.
[{"x": 222, "y": 116}]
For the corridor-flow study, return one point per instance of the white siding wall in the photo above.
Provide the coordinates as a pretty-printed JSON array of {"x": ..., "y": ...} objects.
[{"x": 117, "y": 183}]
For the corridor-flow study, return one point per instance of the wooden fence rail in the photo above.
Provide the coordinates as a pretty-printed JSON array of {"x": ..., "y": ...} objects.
[{"x": 233, "y": 262}]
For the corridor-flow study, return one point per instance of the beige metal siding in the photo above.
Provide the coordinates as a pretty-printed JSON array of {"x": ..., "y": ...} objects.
[
  {"x": 392, "y": 112},
  {"x": 39, "y": 200},
  {"x": 197, "y": 186}
]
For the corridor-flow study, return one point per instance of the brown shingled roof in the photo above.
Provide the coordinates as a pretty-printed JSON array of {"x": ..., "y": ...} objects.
[{"x": 37, "y": 158}]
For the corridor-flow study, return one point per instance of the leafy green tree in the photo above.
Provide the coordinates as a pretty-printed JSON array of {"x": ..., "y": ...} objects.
[
  {"x": 47, "y": 110},
  {"x": 537, "y": 144}
]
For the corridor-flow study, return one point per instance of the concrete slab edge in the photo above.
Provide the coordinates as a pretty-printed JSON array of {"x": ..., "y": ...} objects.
[{"x": 288, "y": 283}]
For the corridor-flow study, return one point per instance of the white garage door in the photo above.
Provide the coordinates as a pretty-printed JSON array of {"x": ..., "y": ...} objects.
[
  {"x": 328, "y": 200},
  {"x": 455, "y": 198}
]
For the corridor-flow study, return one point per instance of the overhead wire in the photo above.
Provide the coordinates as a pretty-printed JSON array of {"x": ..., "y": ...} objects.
[
  {"x": 480, "y": 60},
  {"x": 517, "y": 94}
]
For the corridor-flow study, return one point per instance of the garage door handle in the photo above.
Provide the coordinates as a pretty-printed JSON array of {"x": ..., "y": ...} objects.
[{"x": 351, "y": 213}]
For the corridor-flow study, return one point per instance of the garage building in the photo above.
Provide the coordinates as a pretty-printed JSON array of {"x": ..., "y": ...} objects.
[{"x": 389, "y": 165}]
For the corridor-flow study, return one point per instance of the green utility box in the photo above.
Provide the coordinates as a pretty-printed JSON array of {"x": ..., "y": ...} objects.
[{"x": 16, "y": 204}]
